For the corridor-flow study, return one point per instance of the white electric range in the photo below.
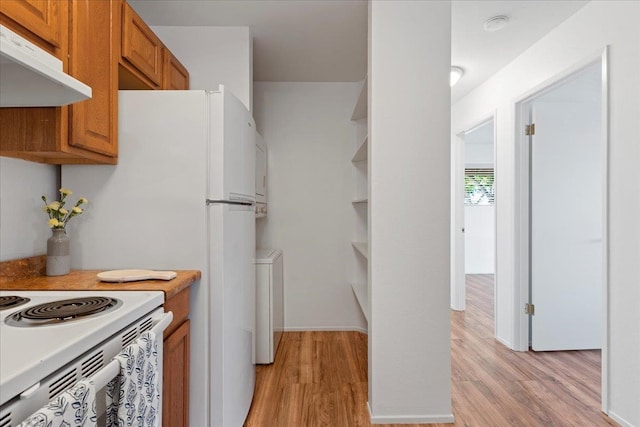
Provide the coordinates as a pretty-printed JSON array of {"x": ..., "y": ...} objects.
[{"x": 34, "y": 351}]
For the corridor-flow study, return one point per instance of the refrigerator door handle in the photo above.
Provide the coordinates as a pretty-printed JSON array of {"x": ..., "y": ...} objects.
[{"x": 229, "y": 202}]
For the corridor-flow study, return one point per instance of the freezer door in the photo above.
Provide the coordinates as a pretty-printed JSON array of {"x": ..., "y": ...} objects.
[
  {"x": 232, "y": 149},
  {"x": 232, "y": 315}
]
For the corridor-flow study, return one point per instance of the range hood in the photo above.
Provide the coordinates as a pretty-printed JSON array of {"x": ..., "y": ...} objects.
[{"x": 32, "y": 77}]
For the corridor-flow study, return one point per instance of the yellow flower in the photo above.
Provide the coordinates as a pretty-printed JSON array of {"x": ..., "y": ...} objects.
[{"x": 59, "y": 216}]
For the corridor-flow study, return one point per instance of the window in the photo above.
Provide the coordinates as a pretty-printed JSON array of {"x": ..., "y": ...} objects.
[{"x": 478, "y": 186}]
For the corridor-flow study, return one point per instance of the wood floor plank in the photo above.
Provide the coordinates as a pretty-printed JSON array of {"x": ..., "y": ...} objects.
[{"x": 320, "y": 378}]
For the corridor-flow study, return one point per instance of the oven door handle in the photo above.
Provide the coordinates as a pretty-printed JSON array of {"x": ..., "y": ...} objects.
[{"x": 162, "y": 324}]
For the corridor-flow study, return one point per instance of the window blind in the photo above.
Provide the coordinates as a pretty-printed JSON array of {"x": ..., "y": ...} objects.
[{"x": 479, "y": 186}]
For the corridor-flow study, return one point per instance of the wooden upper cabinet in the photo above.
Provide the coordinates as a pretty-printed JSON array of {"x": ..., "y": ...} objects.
[
  {"x": 85, "y": 132},
  {"x": 94, "y": 61},
  {"x": 44, "y": 18},
  {"x": 141, "y": 48},
  {"x": 176, "y": 76},
  {"x": 102, "y": 43}
]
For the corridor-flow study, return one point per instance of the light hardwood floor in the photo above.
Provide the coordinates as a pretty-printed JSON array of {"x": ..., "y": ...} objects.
[{"x": 320, "y": 378}]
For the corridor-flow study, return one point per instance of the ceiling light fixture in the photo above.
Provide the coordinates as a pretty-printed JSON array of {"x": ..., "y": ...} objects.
[
  {"x": 496, "y": 23},
  {"x": 456, "y": 74}
]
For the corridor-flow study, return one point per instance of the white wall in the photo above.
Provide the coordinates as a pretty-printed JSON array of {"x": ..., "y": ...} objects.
[
  {"x": 213, "y": 56},
  {"x": 309, "y": 135},
  {"x": 600, "y": 23},
  {"x": 478, "y": 155},
  {"x": 409, "y": 339},
  {"x": 479, "y": 239},
  {"x": 23, "y": 225}
]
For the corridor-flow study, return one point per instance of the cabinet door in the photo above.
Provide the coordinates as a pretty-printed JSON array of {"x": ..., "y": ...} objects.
[
  {"x": 41, "y": 17},
  {"x": 93, "y": 123},
  {"x": 175, "y": 383},
  {"x": 175, "y": 75},
  {"x": 141, "y": 48}
]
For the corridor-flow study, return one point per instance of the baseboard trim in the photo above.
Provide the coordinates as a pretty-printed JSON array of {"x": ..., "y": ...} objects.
[
  {"x": 505, "y": 343},
  {"x": 325, "y": 329},
  {"x": 409, "y": 419},
  {"x": 615, "y": 417}
]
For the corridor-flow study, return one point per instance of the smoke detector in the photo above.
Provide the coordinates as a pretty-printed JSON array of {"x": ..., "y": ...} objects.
[{"x": 496, "y": 23}]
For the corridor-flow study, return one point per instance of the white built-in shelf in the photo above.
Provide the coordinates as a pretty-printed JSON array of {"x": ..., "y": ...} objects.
[
  {"x": 362, "y": 247},
  {"x": 360, "y": 110},
  {"x": 360, "y": 201},
  {"x": 360, "y": 291},
  {"x": 361, "y": 152}
]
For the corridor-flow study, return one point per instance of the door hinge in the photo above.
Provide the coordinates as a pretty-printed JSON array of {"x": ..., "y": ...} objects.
[
  {"x": 529, "y": 309},
  {"x": 530, "y": 129}
]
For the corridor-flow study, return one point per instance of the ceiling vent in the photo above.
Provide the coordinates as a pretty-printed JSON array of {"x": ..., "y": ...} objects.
[{"x": 496, "y": 23}]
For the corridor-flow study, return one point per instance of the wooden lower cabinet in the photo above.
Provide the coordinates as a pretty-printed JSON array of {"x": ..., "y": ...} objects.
[
  {"x": 175, "y": 371},
  {"x": 175, "y": 383}
]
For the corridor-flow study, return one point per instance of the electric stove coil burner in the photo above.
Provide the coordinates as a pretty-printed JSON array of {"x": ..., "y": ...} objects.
[
  {"x": 11, "y": 301},
  {"x": 62, "y": 311}
]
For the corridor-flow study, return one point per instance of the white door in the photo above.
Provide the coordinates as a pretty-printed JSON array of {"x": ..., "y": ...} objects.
[{"x": 566, "y": 226}]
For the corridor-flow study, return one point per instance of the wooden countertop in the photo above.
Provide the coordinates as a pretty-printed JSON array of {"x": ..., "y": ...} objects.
[{"x": 86, "y": 280}]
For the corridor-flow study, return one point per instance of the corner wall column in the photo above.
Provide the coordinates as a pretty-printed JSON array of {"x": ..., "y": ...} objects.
[{"x": 409, "y": 211}]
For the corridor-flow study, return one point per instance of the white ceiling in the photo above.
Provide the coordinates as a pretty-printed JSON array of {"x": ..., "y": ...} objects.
[
  {"x": 481, "y": 53},
  {"x": 306, "y": 40},
  {"x": 326, "y": 40}
]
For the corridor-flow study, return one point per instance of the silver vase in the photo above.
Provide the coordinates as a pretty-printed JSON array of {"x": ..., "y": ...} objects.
[{"x": 58, "y": 253}]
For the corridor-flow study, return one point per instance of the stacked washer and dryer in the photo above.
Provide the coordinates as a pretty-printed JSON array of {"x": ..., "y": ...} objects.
[
  {"x": 269, "y": 274},
  {"x": 269, "y": 303}
]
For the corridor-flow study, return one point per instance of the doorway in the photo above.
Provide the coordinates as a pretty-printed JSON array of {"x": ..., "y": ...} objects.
[
  {"x": 566, "y": 198},
  {"x": 561, "y": 215},
  {"x": 479, "y": 200},
  {"x": 474, "y": 208}
]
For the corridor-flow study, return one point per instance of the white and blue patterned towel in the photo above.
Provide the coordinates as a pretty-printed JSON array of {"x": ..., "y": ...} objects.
[
  {"x": 133, "y": 397},
  {"x": 75, "y": 407}
]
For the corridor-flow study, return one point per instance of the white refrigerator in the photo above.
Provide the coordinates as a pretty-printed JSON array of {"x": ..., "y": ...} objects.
[{"x": 182, "y": 197}]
